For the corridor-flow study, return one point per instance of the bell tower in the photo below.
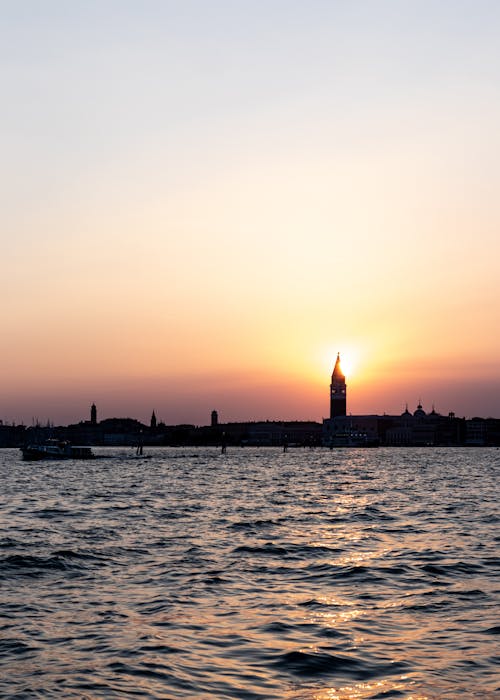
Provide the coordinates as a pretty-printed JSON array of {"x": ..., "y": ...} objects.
[{"x": 338, "y": 391}]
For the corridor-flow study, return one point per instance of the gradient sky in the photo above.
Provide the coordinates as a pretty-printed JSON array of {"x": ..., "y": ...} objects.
[{"x": 202, "y": 202}]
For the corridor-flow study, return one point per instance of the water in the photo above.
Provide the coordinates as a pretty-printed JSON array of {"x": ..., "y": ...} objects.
[{"x": 311, "y": 575}]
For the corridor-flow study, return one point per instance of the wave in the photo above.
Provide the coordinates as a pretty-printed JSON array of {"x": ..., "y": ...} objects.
[
  {"x": 36, "y": 565},
  {"x": 15, "y": 647},
  {"x": 303, "y": 663}
]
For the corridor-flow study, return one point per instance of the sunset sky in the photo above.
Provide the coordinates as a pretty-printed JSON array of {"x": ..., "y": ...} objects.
[{"x": 203, "y": 202}]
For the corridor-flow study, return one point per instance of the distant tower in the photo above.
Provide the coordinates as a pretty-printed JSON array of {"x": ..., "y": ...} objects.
[
  {"x": 153, "y": 421},
  {"x": 338, "y": 392},
  {"x": 93, "y": 414},
  {"x": 214, "y": 422}
]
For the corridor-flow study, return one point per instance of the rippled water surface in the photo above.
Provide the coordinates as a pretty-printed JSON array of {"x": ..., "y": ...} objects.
[{"x": 311, "y": 575}]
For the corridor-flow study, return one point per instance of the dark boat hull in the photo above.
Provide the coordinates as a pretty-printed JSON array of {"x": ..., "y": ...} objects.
[{"x": 35, "y": 453}]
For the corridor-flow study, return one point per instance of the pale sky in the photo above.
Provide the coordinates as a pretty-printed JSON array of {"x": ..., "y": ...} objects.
[{"x": 202, "y": 202}]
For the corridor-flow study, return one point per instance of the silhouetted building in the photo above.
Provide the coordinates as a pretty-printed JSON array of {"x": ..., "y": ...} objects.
[
  {"x": 475, "y": 432},
  {"x": 93, "y": 414},
  {"x": 351, "y": 431},
  {"x": 153, "y": 421},
  {"x": 408, "y": 429},
  {"x": 273, "y": 433},
  {"x": 338, "y": 391},
  {"x": 12, "y": 435},
  {"x": 122, "y": 431},
  {"x": 214, "y": 419}
]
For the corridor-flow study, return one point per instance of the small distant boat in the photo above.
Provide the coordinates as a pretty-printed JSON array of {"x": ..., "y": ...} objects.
[{"x": 55, "y": 449}]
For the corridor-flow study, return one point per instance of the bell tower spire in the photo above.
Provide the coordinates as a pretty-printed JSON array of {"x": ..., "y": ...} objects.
[{"x": 338, "y": 391}]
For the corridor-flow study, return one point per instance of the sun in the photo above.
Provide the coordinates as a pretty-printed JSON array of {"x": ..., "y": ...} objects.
[
  {"x": 348, "y": 359},
  {"x": 351, "y": 360},
  {"x": 347, "y": 365}
]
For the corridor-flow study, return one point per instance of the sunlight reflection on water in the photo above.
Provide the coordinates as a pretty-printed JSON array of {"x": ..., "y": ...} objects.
[{"x": 311, "y": 575}]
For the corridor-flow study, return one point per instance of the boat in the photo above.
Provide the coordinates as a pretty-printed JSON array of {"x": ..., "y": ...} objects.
[{"x": 55, "y": 449}]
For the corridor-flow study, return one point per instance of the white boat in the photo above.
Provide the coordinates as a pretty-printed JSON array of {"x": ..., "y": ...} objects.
[{"x": 55, "y": 449}]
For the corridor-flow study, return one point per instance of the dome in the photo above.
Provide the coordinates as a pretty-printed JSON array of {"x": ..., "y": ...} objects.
[{"x": 419, "y": 413}]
